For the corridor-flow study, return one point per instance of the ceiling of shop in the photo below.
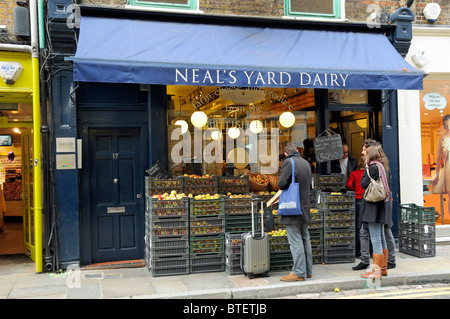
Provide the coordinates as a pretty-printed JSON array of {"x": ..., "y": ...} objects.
[{"x": 23, "y": 114}]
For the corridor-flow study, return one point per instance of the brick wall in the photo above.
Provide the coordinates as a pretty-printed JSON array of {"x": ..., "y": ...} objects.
[{"x": 6, "y": 18}]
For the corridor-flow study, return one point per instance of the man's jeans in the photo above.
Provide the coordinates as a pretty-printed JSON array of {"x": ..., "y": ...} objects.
[{"x": 300, "y": 243}]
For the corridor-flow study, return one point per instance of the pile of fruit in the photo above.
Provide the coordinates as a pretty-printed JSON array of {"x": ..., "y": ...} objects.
[
  {"x": 173, "y": 195},
  {"x": 277, "y": 232}
]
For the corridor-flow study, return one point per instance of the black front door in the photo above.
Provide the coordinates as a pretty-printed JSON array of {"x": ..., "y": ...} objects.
[{"x": 115, "y": 193}]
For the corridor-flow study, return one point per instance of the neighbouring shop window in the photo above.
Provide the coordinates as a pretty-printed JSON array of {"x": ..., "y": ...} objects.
[
  {"x": 168, "y": 4},
  {"x": 435, "y": 135},
  {"x": 313, "y": 8}
]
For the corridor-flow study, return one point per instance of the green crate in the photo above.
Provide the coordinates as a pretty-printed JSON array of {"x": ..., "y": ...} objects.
[
  {"x": 206, "y": 207},
  {"x": 411, "y": 213},
  {"x": 233, "y": 184},
  {"x": 158, "y": 186},
  {"x": 206, "y": 244}
]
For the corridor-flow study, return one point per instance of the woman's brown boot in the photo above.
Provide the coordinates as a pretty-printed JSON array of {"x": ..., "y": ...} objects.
[
  {"x": 375, "y": 273},
  {"x": 384, "y": 264}
]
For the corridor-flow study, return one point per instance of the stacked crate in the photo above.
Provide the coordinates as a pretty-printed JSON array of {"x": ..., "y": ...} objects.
[
  {"x": 233, "y": 253},
  {"x": 238, "y": 220},
  {"x": 417, "y": 231},
  {"x": 339, "y": 225},
  {"x": 280, "y": 252},
  {"x": 207, "y": 228},
  {"x": 233, "y": 185},
  {"x": 316, "y": 234},
  {"x": 332, "y": 182},
  {"x": 196, "y": 184},
  {"x": 167, "y": 236}
]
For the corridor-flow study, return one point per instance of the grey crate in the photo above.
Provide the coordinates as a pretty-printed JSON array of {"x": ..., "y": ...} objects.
[
  {"x": 169, "y": 266},
  {"x": 207, "y": 263}
]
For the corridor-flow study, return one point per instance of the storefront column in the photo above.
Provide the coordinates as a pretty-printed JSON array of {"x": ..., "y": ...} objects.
[{"x": 410, "y": 161}]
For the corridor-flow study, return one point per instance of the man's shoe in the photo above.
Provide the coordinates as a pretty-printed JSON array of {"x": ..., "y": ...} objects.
[
  {"x": 391, "y": 265},
  {"x": 360, "y": 266},
  {"x": 292, "y": 277}
]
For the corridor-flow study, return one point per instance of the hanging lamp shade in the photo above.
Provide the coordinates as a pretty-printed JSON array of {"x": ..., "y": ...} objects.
[{"x": 199, "y": 119}]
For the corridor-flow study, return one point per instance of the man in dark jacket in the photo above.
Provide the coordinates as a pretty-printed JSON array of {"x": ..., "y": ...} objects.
[
  {"x": 297, "y": 226},
  {"x": 345, "y": 165}
]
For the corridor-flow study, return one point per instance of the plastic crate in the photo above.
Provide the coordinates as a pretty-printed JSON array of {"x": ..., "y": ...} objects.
[
  {"x": 169, "y": 246},
  {"x": 168, "y": 208},
  {"x": 207, "y": 263},
  {"x": 233, "y": 185},
  {"x": 281, "y": 261},
  {"x": 418, "y": 248},
  {"x": 169, "y": 266},
  {"x": 335, "y": 200},
  {"x": 316, "y": 237},
  {"x": 233, "y": 243},
  {"x": 169, "y": 227},
  {"x": 233, "y": 264},
  {"x": 238, "y": 205},
  {"x": 411, "y": 213},
  {"x": 340, "y": 259},
  {"x": 279, "y": 244},
  {"x": 206, "y": 244},
  {"x": 210, "y": 225},
  {"x": 417, "y": 231},
  {"x": 338, "y": 215},
  {"x": 240, "y": 223},
  {"x": 339, "y": 237},
  {"x": 333, "y": 181},
  {"x": 157, "y": 186},
  {"x": 200, "y": 185},
  {"x": 206, "y": 207}
]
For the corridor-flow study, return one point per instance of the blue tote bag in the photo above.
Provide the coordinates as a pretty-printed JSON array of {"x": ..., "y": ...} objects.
[{"x": 289, "y": 202}]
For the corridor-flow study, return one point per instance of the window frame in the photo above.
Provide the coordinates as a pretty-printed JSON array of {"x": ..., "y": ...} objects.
[
  {"x": 192, "y": 5},
  {"x": 337, "y": 11}
]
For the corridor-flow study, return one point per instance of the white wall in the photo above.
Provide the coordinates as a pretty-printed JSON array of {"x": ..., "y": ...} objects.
[{"x": 410, "y": 148}]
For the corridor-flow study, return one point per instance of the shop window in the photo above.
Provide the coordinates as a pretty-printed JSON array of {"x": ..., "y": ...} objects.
[
  {"x": 434, "y": 110},
  {"x": 313, "y": 8},
  {"x": 167, "y": 4}
]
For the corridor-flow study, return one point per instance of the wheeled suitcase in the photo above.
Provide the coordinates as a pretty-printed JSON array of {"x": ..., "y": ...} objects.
[{"x": 255, "y": 255}]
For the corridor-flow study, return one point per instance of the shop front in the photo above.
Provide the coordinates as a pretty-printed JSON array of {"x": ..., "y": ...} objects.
[
  {"x": 203, "y": 99},
  {"x": 20, "y": 210}
]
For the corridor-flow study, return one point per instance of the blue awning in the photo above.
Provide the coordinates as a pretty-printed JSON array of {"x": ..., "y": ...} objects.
[{"x": 173, "y": 53}]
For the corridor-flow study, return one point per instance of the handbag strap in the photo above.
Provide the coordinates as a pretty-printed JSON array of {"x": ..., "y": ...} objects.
[{"x": 293, "y": 170}]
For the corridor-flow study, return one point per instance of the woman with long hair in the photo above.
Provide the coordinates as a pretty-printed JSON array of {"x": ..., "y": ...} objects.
[{"x": 376, "y": 214}]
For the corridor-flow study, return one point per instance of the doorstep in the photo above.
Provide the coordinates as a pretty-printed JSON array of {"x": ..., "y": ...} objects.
[{"x": 136, "y": 263}]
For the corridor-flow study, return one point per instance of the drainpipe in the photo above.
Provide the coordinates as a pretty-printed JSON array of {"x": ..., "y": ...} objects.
[
  {"x": 37, "y": 187},
  {"x": 15, "y": 47}
]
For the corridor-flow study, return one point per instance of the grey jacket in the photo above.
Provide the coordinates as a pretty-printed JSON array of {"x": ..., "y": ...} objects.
[{"x": 303, "y": 177}]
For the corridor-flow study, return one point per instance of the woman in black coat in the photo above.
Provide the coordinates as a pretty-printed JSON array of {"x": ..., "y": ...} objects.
[{"x": 376, "y": 214}]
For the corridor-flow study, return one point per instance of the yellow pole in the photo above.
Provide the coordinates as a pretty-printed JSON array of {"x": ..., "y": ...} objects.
[{"x": 37, "y": 180}]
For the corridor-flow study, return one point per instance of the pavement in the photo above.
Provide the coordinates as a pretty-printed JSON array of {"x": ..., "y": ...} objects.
[{"x": 18, "y": 280}]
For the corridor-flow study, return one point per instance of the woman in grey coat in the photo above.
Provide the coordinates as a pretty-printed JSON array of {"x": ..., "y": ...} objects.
[
  {"x": 376, "y": 214},
  {"x": 297, "y": 226}
]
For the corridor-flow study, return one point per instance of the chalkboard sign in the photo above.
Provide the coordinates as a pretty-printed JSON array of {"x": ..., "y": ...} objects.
[
  {"x": 158, "y": 171},
  {"x": 328, "y": 148}
]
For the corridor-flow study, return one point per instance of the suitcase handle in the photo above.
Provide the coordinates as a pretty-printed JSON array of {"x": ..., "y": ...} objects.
[{"x": 262, "y": 216}]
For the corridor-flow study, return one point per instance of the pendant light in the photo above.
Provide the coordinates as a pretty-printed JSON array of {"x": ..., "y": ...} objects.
[
  {"x": 199, "y": 119},
  {"x": 256, "y": 126},
  {"x": 287, "y": 119}
]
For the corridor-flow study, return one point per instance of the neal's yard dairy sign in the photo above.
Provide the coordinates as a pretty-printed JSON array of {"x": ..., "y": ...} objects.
[{"x": 219, "y": 77}]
